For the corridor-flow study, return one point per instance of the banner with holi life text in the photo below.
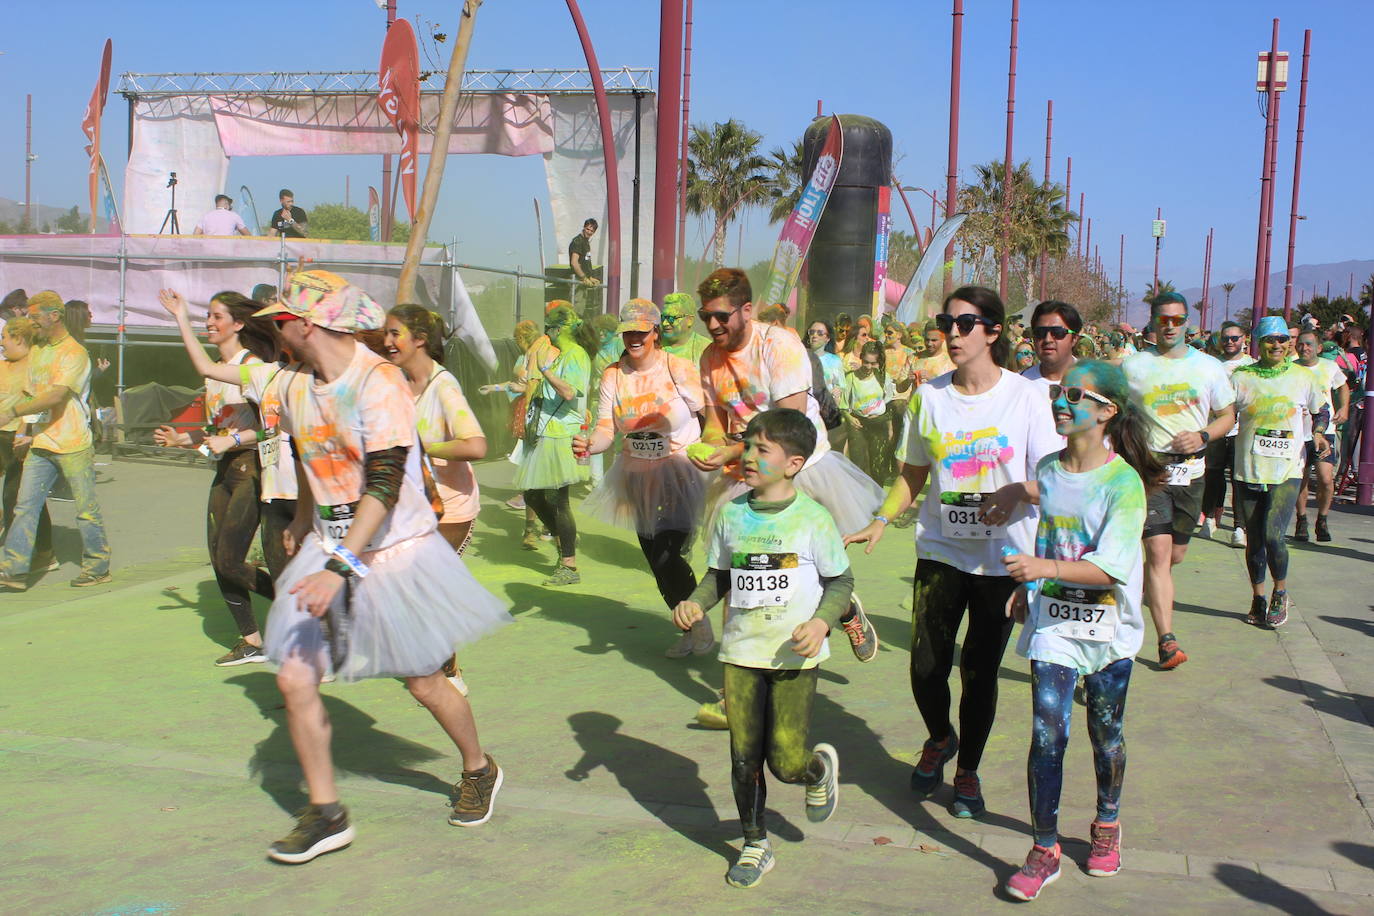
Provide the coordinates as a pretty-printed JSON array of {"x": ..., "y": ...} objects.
[
  {"x": 90, "y": 126},
  {"x": 398, "y": 94},
  {"x": 800, "y": 228},
  {"x": 880, "y": 252},
  {"x": 374, "y": 215}
]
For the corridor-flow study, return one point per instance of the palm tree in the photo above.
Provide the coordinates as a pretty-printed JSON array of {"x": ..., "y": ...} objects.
[
  {"x": 786, "y": 180},
  {"x": 724, "y": 171},
  {"x": 1152, "y": 291},
  {"x": 1039, "y": 221},
  {"x": 1228, "y": 287}
]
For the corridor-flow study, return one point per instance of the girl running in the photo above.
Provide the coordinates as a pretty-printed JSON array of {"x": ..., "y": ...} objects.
[
  {"x": 867, "y": 392},
  {"x": 1270, "y": 397},
  {"x": 1080, "y": 605},
  {"x": 977, "y": 434},
  {"x": 651, "y": 399},
  {"x": 232, "y": 511}
]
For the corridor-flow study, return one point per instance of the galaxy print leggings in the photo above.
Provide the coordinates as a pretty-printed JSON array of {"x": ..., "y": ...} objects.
[
  {"x": 1052, "y": 698},
  {"x": 770, "y": 716},
  {"x": 1266, "y": 512}
]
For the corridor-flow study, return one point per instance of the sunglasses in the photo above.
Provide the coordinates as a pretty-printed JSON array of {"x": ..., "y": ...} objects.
[
  {"x": 1050, "y": 330},
  {"x": 1232, "y": 338},
  {"x": 707, "y": 317},
  {"x": 1171, "y": 321},
  {"x": 1276, "y": 338},
  {"x": 673, "y": 319},
  {"x": 1073, "y": 394},
  {"x": 965, "y": 323},
  {"x": 817, "y": 332}
]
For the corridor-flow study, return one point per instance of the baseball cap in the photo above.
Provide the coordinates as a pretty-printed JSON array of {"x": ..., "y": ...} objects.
[
  {"x": 328, "y": 300},
  {"x": 638, "y": 315}
]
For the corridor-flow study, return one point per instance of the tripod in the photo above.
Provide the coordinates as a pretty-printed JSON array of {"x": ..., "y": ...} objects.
[{"x": 171, "y": 218}]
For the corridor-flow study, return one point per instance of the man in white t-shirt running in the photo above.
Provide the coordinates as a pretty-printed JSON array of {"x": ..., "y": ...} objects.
[
  {"x": 222, "y": 220},
  {"x": 1221, "y": 452},
  {"x": 1187, "y": 401}
]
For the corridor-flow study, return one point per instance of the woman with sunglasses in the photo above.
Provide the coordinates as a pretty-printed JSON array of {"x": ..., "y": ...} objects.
[
  {"x": 651, "y": 399},
  {"x": 556, "y": 412},
  {"x": 977, "y": 434},
  {"x": 820, "y": 339},
  {"x": 1271, "y": 395},
  {"x": 1080, "y": 606}
]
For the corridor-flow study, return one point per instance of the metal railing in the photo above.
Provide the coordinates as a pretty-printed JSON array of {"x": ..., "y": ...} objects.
[{"x": 355, "y": 82}]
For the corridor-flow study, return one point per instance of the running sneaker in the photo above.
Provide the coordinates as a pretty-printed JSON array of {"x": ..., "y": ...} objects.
[
  {"x": 929, "y": 771},
  {"x": 13, "y": 584},
  {"x": 516, "y": 502},
  {"x": 712, "y": 715},
  {"x": 1258, "y": 607},
  {"x": 968, "y": 796},
  {"x": 822, "y": 798},
  {"x": 1238, "y": 537},
  {"x": 86, "y": 580},
  {"x": 531, "y": 539},
  {"x": 314, "y": 835},
  {"x": 455, "y": 675},
  {"x": 755, "y": 860},
  {"x": 1323, "y": 532},
  {"x": 1279, "y": 605},
  {"x": 1170, "y": 655},
  {"x": 1300, "y": 530},
  {"x": 49, "y": 563},
  {"x": 1208, "y": 530},
  {"x": 1104, "y": 859},
  {"x": 563, "y": 575},
  {"x": 476, "y": 792},
  {"x": 1041, "y": 869},
  {"x": 243, "y": 653},
  {"x": 699, "y": 640},
  {"x": 863, "y": 636}
]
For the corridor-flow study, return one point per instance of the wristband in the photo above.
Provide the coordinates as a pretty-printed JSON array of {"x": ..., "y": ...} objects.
[
  {"x": 234, "y": 434},
  {"x": 338, "y": 567},
  {"x": 352, "y": 562},
  {"x": 881, "y": 518}
]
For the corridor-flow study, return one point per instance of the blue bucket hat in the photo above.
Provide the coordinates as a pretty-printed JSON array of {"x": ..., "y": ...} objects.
[{"x": 1271, "y": 325}]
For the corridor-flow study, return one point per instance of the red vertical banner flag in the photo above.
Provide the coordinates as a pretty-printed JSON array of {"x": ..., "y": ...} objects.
[
  {"x": 398, "y": 93},
  {"x": 90, "y": 125},
  {"x": 884, "y": 229}
]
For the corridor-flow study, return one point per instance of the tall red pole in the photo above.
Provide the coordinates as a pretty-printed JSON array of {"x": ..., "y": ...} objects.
[
  {"x": 388, "y": 207},
  {"x": 1120, "y": 279},
  {"x": 1297, "y": 179},
  {"x": 1259, "y": 300},
  {"x": 1089, "y": 243},
  {"x": 28, "y": 162},
  {"x": 1154, "y": 291},
  {"x": 1006, "y": 164},
  {"x": 667, "y": 149},
  {"x": 686, "y": 132},
  {"x": 956, "y": 51},
  {"x": 1269, "y": 205},
  {"x": 1206, "y": 280},
  {"x": 1082, "y": 198},
  {"x": 603, "y": 115},
  {"x": 1049, "y": 139}
]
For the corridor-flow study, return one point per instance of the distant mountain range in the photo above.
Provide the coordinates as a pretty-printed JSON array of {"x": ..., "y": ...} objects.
[
  {"x": 12, "y": 212},
  {"x": 1339, "y": 278}
]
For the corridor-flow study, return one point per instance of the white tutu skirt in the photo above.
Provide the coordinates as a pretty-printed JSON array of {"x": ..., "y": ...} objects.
[
  {"x": 847, "y": 493},
  {"x": 549, "y": 465},
  {"x": 418, "y": 604},
  {"x": 649, "y": 496}
]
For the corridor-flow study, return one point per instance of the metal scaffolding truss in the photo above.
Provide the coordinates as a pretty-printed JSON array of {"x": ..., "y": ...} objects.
[{"x": 354, "y": 82}]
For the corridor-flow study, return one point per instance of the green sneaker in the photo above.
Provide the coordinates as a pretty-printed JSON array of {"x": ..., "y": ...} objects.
[
  {"x": 564, "y": 575},
  {"x": 755, "y": 860},
  {"x": 314, "y": 836},
  {"x": 242, "y": 654},
  {"x": 712, "y": 715},
  {"x": 822, "y": 798}
]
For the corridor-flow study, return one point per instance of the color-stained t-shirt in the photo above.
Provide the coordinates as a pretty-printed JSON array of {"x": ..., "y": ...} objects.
[
  {"x": 655, "y": 407},
  {"x": 1329, "y": 378},
  {"x": 974, "y": 445},
  {"x": 776, "y": 561},
  {"x": 14, "y": 377},
  {"x": 900, "y": 364},
  {"x": 690, "y": 348},
  {"x": 442, "y": 414},
  {"x": 274, "y": 451},
  {"x": 65, "y": 428},
  {"x": 1095, "y": 516},
  {"x": 1231, "y": 365},
  {"x": 226, "y": 406},
  {"x": 557, "y": 417},
  {"x": 1270, "y": 402},
  {"x": 1176, "y": 394},
  {"x": 932, "y": 367},
  {"x": 832, "y": 370},
  {"x": 866, "y": 395},
  {"x": 1035, "y": 374},
  {"x": 770, "y": 366}
]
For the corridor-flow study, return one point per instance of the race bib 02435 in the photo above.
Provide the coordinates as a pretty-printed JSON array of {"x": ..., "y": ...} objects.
[{"x": 1276, "y": 443}]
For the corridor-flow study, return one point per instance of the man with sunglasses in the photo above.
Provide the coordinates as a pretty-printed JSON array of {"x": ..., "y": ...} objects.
[
  {"x": 1055, "y": 327},
  {"x": 678, "y": 321},
  {"x": 1221, "y": 452},
  {"x": 751, "y": 367},
  {"x": 1187, "y": 401}
]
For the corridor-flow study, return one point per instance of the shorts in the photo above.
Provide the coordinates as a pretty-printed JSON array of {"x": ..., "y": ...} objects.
[
  {"x": 1174, "y": 511},
  {"x": 1310, "y": 453}
]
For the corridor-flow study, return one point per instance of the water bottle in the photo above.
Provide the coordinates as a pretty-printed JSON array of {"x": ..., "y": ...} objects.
[{"x": 585, "y": 458}]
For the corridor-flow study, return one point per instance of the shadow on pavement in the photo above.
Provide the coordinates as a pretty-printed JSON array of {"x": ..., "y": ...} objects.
[
  {"x": 653, "y": 776},
  {"x": 1344, "y": 552},
  {"x": 1265, "y": 890},
  {"x": 1365, "y": 627},
  {"x": 1332, "y": 702},
  {"x": 216, "y": 621},
  {"x": 358, "y": 747},
  {"x": 1359, "y": 853}
]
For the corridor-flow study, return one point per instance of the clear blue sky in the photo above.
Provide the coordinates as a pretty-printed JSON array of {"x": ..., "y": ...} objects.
[{"x": 1154, "y": 102}]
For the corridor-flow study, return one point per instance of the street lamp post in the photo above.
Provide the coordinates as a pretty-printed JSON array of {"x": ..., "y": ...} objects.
[{"x": 1157, "y": 230}]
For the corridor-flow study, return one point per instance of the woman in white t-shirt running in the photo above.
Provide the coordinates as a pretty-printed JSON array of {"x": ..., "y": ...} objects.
[
  {"x": 976, "y": 434},
  {"x": 1080, "y": 605}
]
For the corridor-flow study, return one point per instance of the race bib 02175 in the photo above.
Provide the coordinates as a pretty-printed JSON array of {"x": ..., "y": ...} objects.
[{"x": 651, "y": 446}]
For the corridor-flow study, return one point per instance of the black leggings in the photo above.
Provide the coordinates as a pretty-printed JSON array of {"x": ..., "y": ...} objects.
[
  {"x": 1220, "y": 455},
  {"x": 665, "y": 553},
  {"x": 12, "y": 469},
  {"x": 874, "y": 438},
  {"x": 276, "y": 516},
  {"x": 770, "y": 715},
  {"x": 554, "y": 509},
  {"x": 1266, "y": 513},
  {"x": 939, "y": 598},
  {"x": 231, "y": 520}
]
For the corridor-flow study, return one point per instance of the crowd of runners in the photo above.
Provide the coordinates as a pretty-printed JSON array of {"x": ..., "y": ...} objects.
[{"x": 1065, "y": 469}]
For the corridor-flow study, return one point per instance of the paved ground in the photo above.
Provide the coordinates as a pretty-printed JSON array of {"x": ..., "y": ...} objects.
[{"x": 142, "y": 779}]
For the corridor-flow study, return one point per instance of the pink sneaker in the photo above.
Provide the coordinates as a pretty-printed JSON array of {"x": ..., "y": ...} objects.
[
  {"x": 1104, "y": 860},
  {"x": 1041, "y": 868}
]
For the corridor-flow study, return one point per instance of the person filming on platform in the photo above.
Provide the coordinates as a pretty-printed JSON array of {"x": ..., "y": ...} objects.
[
  {"x": 580, "y": 255},
  {"x": 289, "y": 220},
  {"x": 222, "y": 220}
]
